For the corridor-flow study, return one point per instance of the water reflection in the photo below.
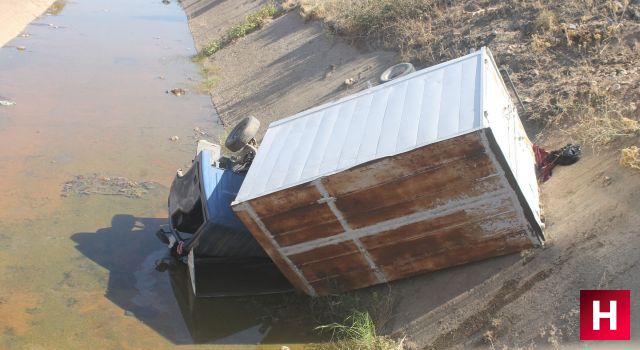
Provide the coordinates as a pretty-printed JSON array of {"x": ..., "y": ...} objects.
[{"x": 165, "y": 301}]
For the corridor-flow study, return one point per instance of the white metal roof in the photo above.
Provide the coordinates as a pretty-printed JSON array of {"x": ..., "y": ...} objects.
[{"x": 424, "y": 107}]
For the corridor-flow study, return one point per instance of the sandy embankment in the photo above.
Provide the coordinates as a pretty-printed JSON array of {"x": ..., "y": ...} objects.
[
  {"x": 16, "y": 14},
  {"x": 288, "y": 66}
]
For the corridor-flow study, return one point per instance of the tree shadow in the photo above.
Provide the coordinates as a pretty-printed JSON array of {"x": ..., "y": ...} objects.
[{"x": 165, "y": 302}]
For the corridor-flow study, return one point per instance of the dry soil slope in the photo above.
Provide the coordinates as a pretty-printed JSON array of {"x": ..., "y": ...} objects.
[{"x": 16, "y": 14}]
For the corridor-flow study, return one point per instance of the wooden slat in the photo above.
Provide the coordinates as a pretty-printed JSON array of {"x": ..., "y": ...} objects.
[
  {"x": 285, "y": 200},
  {"x": 395, "y": 167},
  {"x": 357, "y": 218},
  {"x": 323, "y": 253},
  {"x": 311, "y": 233},
  {"x": 428, "y": 229},
  {"x": 272, "y": 251},
  {"x": 299, "y": 218},
  {"x": 403, "y": 267}
]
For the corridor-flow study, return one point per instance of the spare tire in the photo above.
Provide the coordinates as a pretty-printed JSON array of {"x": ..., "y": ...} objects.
[
  {"x": 397, "y": 71},
  {"x": 242, "y": 133}
]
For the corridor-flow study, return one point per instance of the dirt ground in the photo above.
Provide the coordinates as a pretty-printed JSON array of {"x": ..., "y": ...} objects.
[
  {"x": 284, "y": 68},
  {"x": 591, "y": 208},
  {"x": 16, "y": 14}
]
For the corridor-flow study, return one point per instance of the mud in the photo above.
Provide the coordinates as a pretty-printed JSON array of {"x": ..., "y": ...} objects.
[{"x": 106, "y": 186}]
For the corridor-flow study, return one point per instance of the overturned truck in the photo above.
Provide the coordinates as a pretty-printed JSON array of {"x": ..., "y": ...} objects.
[
  {"x": 430, "y": 170},
  {"x": 425, "y": 172}
]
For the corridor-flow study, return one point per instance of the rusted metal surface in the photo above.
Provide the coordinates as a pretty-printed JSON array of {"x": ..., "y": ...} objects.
[{"x": 436, "y": 206}]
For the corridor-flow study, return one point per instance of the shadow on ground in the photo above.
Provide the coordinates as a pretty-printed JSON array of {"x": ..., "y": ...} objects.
[{"x": 164, "y": 300}]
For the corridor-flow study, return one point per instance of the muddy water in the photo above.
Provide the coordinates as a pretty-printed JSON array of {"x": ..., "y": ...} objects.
[{"x": 76, "y": 271}]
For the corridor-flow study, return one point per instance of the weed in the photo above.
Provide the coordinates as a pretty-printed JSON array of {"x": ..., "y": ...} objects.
[
  {"x": 630, "y": 157},
  {"x": 546, "y": 21},
  {"x": 250, "y": 24},
  {"x": 210, "y": 78}
]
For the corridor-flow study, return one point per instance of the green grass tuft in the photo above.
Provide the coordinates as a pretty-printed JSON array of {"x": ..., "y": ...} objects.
[{"x": 250, "y": 24}]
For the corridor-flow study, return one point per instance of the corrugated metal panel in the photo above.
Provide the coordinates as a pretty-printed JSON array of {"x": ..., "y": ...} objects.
[{"x": 422, "y": 108}]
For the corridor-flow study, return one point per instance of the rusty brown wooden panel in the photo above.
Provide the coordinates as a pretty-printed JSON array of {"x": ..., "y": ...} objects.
[
  {"x": 334, "y": 266},
  {"x": 272, "y": 251},
  {"x": 285, "y": 200},
  {"x": 403, "y": 267},
  {"x": 351, "y": 280},
  {"x": 324, "y": 253},
  {"x": 299, "y": 218},
  {"x": 306, "y": 234},
  {"x": 438, "y": 235},
  {"x": 359, "y": 219},
  {"x": 459, "y": 177},
  {"x": 388, "y": 169}
]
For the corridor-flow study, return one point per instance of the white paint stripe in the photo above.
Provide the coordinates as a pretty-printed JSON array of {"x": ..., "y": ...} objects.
[
  {"x": 247, "y": 207},
  {"x": 446, "y": 209},
  {"x": 517, "y": 205},
  {"x": 348, "y": 232}
]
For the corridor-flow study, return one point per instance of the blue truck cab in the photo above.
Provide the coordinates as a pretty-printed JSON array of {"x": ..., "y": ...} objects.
[{"x": 205, "y": 233}]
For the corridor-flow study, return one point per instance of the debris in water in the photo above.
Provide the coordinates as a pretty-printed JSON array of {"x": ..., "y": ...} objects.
[
  {"x": 166, "y": 2},
  {"x": 4, "y": 101},
  {"x": 177, "y": 91},
  {"x": 25, "y": 35},
  {"x": 21, "y": 48},
  {"x": 174, "y": 138},
  {"x": 129, "y": 313},
  {"x": 105, "y": 185}
]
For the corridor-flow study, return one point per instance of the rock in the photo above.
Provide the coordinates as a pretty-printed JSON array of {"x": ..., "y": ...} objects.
[
  {"x": 349, "y": 82},
  {"x": 174, "y": 138},
  {"x": 177, "y": 91},
  {"x": 6, "y": 102}
]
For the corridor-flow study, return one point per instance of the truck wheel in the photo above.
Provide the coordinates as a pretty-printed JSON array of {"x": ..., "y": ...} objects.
[
  {"x": 397, "y": 71},
  {"x": 242, "y": 133}
]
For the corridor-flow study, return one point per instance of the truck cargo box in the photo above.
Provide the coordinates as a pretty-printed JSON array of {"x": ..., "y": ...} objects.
[{"x": 428, "y": 171}]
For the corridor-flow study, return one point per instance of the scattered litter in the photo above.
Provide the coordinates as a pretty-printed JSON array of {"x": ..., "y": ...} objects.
[
  {"x": 105, "y": 185},
  {"x": 349, "y": 82},
  {"x": 198, "y": 132},
  {"x": 25, "y": 35},
  {"x": 546, "y": 161},
  {"x": 174, "y": 138},
  {"x": 630, "y": 157},
  {"x": 6, "y": 102},
  {"x": 129, "y": 313},
  {"x": 606, "y": 181},
  {"x": 177, "y": 91}
]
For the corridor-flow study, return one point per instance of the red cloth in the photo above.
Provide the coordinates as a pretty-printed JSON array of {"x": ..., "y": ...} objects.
[{"x": 542, "y": 163}]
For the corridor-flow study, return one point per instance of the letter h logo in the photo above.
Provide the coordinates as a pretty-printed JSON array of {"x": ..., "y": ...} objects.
[{"x": 605, "y": 315}]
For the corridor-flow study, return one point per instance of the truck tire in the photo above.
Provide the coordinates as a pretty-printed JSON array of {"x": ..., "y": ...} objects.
[
  {"x": 397, "y": 71},
  {"x": 242, "y": 133}
]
